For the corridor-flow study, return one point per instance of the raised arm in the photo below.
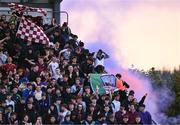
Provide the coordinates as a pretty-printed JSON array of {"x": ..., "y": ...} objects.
[
  {"x": 105, "y": 55},
  {"x": 142, "y": 99}
]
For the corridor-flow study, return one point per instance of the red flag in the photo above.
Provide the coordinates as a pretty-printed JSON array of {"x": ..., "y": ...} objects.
[{"x": 29, "y": 31}]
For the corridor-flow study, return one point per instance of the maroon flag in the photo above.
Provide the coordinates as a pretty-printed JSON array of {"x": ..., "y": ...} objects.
[
  {"x": 21, "y": 8},
  {"x": 29, "y": 31}
]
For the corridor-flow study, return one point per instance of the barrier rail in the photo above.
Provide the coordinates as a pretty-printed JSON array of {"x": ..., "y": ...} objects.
[
  {"x": 154, "y": 123},
  {"x": 8, "y": 14}
]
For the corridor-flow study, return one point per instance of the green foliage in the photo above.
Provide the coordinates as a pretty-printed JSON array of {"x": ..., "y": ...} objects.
[
  {"x": 172, "y": 81},
  {"x": 169, "y": 79}
]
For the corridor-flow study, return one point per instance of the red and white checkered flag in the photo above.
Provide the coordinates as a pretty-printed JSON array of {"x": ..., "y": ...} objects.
[
  {"x": 29, "y": 31},
  {"x": 21, "y": 8}
]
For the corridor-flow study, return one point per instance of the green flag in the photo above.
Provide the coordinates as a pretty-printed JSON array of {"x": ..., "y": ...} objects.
[{"x": 97, "y": 83}]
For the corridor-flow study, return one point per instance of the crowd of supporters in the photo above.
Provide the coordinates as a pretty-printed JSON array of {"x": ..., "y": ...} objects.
[{"x": 49, "y": 84}]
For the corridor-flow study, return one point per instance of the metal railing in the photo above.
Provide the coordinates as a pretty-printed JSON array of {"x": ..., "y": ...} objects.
[
  {"x": 8, "y": 14},
  {"x": 154, "y": 123}
]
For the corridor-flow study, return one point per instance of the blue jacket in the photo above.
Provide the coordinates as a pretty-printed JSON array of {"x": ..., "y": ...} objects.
[{"x": 145, "y": 117}]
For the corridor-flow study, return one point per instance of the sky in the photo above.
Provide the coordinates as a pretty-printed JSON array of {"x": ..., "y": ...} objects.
[{"x": 145, "y": 33}]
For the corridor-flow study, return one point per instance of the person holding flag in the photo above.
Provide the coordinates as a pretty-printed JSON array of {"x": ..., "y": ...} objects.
[{"x": 122, "y": 86}]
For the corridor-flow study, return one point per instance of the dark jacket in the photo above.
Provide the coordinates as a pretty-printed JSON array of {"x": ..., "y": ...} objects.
[
  {"x": 67, "y": 123},
  {"x": 32, "y": 114},
  {"x": 145, "y": 117},
  {"x": 43, "y": 106}
]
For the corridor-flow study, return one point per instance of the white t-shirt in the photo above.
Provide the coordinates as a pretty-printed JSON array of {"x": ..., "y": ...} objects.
[
  {"x": 10, "y": 103},
  {"x": 3, "y": 58},
  {"x": 53, "y": 66},
  {"x": 98, "y": 61},
  {"x": 64, "y": 114},
  {"x": 38, "y": 95},
  {"x": 116, "y": 106}
]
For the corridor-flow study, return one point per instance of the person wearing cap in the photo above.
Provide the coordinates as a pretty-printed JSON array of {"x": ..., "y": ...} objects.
[{"x": 145, "y": 115}]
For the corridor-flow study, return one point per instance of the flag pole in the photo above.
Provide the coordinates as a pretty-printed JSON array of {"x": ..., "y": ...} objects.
[{"x": 22, "y": 17}]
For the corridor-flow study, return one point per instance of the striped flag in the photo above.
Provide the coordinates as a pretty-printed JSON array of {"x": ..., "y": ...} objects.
[
  {"x": 21, "y": 8},
  {"x": 29, "y": 31}
]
